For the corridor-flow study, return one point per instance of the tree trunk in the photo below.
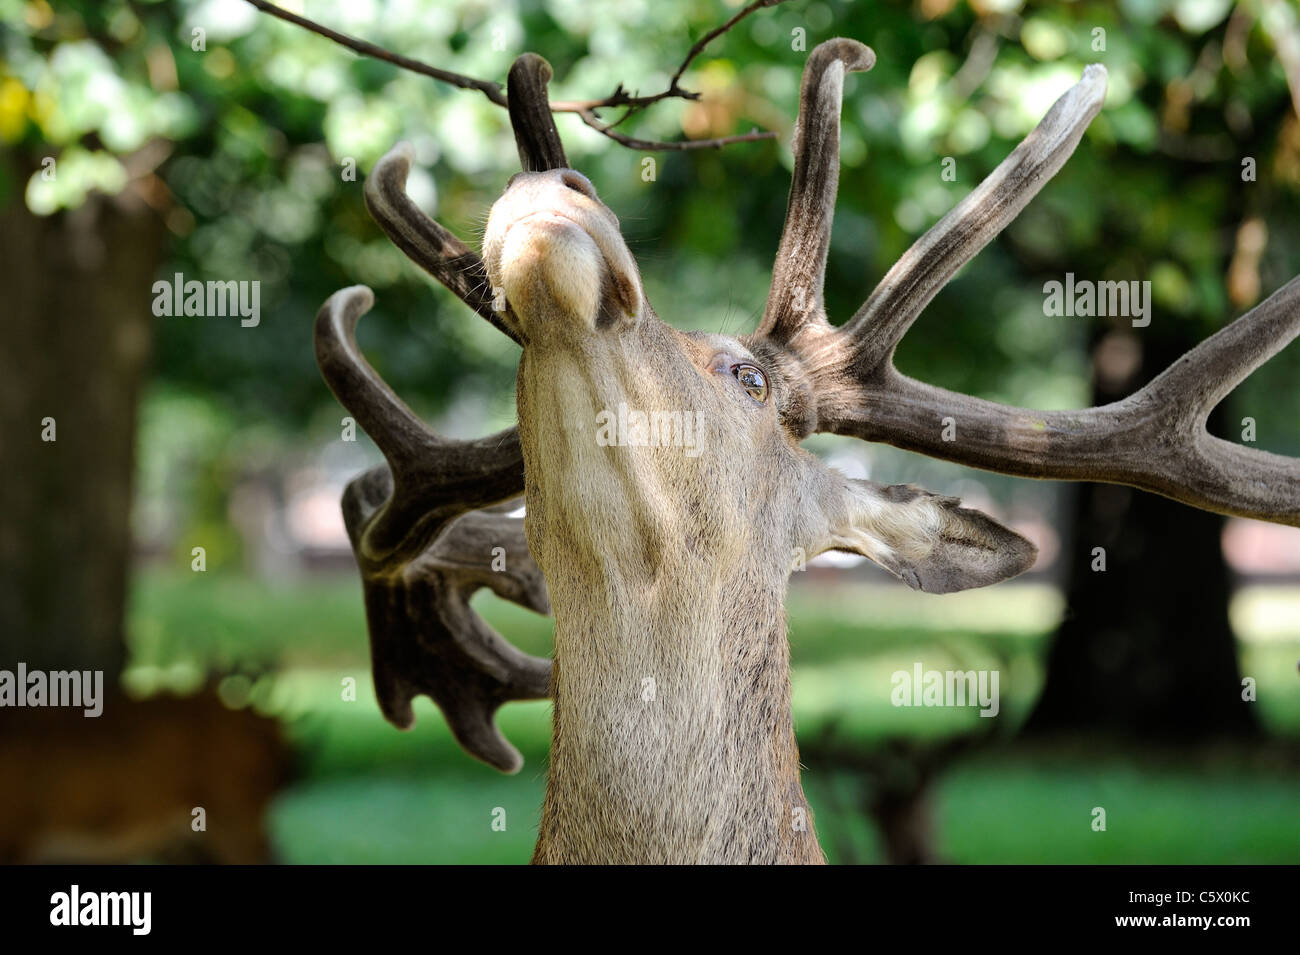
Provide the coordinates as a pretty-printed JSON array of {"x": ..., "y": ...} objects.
[
  {"x": 77, "y": 324},
  {"x": 1145, "y": 647}
]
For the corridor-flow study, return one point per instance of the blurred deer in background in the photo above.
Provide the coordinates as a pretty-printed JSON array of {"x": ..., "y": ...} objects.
[
  {"x": 140, "y": 771},
  {"x": 666, "y": 549}
]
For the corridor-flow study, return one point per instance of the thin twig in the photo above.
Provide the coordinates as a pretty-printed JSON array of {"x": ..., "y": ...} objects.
[
  {"x": 712, "y": 35},
  {"x": 584, "y": 109},
  {"x": 590, "y": 118},
  {"x": 621, "y": 97},
  {"x": 493, "y": 91}
]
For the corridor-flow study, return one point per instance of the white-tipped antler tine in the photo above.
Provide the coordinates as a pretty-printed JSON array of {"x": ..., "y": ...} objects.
[
  {"x": 426, "y": 242},
  {"x": 795, "y": 298}
]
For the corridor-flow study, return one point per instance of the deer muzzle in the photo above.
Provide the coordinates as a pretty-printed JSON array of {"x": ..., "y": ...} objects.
[{"x": 556, "y": 253}]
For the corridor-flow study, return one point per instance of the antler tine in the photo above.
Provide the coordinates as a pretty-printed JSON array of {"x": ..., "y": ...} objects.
[
  {"x": 422, "y": 556},
  {"x": 428, "y": 243},
  {"x": 435, "y": 479},
  {"x": 795, "y": 297},
  {"x": 1154, "y": 440},
  {"x": 401, "y": 436},
  {"x": 536, "y": 137},
  {"x": 424, "y": 636},
  {"x": 1209, "y": 372},
  {"x": 424, "y": 241},
  {"x": 973, "y": 223}
]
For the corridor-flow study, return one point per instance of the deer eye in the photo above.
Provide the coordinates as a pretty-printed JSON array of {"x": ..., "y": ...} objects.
[{"x": 752, "y": 379}]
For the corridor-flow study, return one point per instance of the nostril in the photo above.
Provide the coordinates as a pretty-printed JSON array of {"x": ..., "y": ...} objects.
[{"x": 578, "y": 183}]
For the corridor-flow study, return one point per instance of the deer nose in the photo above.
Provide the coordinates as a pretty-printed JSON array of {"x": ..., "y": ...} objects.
[{"x": 578, "y": 183}]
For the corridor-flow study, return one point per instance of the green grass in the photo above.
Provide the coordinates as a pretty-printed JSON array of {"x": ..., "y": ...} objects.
[
  {"x": 995, "y": 808},
  {"x": 369, "y": 793},
  {"x": 1028, "y": 807},
  {"x": 223, "y": 621},
  {"x": 407, "y": 820},
  {"x": 1033, "y": 808}
]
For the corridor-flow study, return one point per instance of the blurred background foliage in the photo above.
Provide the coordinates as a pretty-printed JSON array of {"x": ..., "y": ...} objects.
[{"x": 250, "y": 139}]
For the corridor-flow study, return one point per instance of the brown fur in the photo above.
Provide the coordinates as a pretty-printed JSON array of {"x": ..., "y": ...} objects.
[{"x": 122, "y": 787}]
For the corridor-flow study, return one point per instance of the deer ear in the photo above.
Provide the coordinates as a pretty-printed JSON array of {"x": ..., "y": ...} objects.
[{"x": 930, "y": 542}]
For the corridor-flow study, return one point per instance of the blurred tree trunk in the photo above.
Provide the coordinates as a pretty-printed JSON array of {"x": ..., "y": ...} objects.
[
  {"x": 77, "y": 323},
  {"x": 1145, "y": 646}
]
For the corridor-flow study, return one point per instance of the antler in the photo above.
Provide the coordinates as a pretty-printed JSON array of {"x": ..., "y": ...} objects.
[
  {"x": 422, "y": 548},
  {"x": 1155, "y": 439},
  {"x": 795, "y": 297},
  {"x": 536, "y": 137},
  {"x": 422, "y": 556},
  {"x": 425, "y": 242}
]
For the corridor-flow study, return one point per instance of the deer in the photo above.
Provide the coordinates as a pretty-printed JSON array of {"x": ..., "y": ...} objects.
[
  {"x": 666, "y": 566},
  {"x": 141, "y": 770}
]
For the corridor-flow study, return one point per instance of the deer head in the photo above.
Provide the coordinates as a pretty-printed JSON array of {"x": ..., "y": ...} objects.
[
  {"x": 667, "y": 494},
  {"x": 653, "y": 455}
]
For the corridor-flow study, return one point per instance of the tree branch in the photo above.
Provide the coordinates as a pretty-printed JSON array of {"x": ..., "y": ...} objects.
[
  {"x": 621, "y": 97},
  {"x": 655, "y": 145},
  {"x": 584, "y": 109},
  {"x": 493, "y": 91}
]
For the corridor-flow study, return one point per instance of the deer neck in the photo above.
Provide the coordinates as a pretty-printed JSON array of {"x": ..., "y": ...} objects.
[{"x": 672, "y": 736}]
